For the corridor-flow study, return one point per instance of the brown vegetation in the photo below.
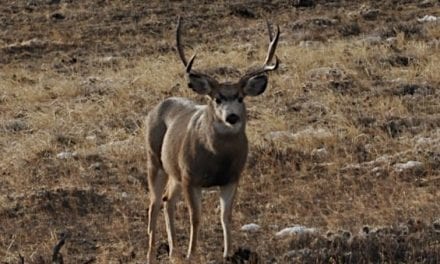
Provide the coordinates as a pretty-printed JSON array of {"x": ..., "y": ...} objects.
[{"x": 346, "y": 139}]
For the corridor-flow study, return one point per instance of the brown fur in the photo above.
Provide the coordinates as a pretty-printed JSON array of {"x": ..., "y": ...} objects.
[
  {"x": 181, "y": 137},
  {"x": 191, "y": 147}
]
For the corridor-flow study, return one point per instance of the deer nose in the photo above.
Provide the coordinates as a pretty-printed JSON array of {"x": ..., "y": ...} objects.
[{"x": 232, "y": 119}]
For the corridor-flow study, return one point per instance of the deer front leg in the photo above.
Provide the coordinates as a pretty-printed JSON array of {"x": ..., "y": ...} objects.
[
  {"x": 227, "y": 194},
  {"x": 193, "y": 197}
]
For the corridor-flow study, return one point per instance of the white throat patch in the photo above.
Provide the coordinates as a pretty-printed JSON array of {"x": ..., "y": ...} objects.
[{"x": 226, "y": 128}]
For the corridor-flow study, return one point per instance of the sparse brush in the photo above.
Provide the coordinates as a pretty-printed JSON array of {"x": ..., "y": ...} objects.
[{"x": 345, "y": 138}]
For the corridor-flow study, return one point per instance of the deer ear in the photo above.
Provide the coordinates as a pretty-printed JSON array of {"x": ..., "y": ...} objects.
[
  {"x": 200, "y": 83},
  {"x": 255, "y": 85}
]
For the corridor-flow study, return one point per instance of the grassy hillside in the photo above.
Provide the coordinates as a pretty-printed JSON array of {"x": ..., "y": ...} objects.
[{"x": 346, "y": 139}]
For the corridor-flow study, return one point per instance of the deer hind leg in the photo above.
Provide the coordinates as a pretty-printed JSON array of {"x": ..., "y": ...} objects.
[
  {"x": 156, "y": 184},
  {"x": 170, "y": 199},
  {"x": 193, "y": 197},
  {"x": 227, "y": 194}
]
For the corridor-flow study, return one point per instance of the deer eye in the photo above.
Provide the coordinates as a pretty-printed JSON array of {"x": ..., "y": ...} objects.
[
  {"x": 240, "y": 99},
  {"x": 218, "y": 100}
]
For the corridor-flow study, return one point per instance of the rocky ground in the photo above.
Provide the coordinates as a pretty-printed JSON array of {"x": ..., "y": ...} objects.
[{"x": 345, "y": 143}]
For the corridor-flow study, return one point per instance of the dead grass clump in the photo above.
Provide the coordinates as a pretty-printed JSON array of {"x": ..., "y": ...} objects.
[
  {"x": 414, "y": 89},
  {"x": 315, "y": 29},
  {"x": 243, "y": 11},
  {"x": 399, "y": 60},
  {"x": 397, "y": 243},
  {"x": 412, "y": 30},
  {"x": 350, "y": 29},
  {"x": 395, "y": 126},
  {"x": 15, "y": 125}
]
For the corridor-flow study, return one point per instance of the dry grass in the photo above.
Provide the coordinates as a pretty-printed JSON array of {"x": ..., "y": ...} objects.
[{"x": 348, "y": 109}]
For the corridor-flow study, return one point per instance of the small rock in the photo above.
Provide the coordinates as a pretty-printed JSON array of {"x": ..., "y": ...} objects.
[
  {"x": 391, "y": 40},
  {"x": 66, "y": 155},
  {"x": 31, "y": 43},
  {"x": 96, "y": 166},
  {"x": 91, "y": 137},
  {"x": 428, "y": 18},
  {"x": 109, "y": 59},
  {"x": 378, "y": 171},
  {"x": 279, "y": 135},
  {"x": 410, "y": 165},
  {"x": 294, "y": 230},
  {"x": 252, "y": 228}
]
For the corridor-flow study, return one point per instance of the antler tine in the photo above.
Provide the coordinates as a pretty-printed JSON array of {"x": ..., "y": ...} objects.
[
  {"x": 270, "y": 54},
  {"x": 187, "y": 64},
  {"x": 272, "y": 46},
  {"x": 269, "y": 30},
  {"x": 179, "y": 44},
  {"x": 190, "y": 63}
]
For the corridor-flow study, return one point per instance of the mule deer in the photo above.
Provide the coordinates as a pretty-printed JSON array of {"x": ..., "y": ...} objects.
[{"x": 191, "y": 146}]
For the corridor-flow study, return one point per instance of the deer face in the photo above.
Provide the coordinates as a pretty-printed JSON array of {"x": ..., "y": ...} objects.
[
  {"x": 228, "y": 107},
  {"x": 226, "y": 99}
]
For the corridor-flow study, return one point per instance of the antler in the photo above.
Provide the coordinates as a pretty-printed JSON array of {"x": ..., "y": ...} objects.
[
  {"x": 271, "y": 51},
  {"x": 270, "y": 54},
  {"x": 187, "y": 64}
]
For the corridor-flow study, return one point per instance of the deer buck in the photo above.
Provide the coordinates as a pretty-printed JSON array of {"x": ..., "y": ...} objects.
[{"x": 192, "y": 146}]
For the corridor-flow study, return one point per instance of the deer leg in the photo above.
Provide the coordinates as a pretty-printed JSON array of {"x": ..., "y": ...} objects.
[
  {"x": 173, "y": 191},
  {"x": 193, "y": 197},
  {"x": 227, "y": 194},
  {"x": 156, "y": 183}
]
